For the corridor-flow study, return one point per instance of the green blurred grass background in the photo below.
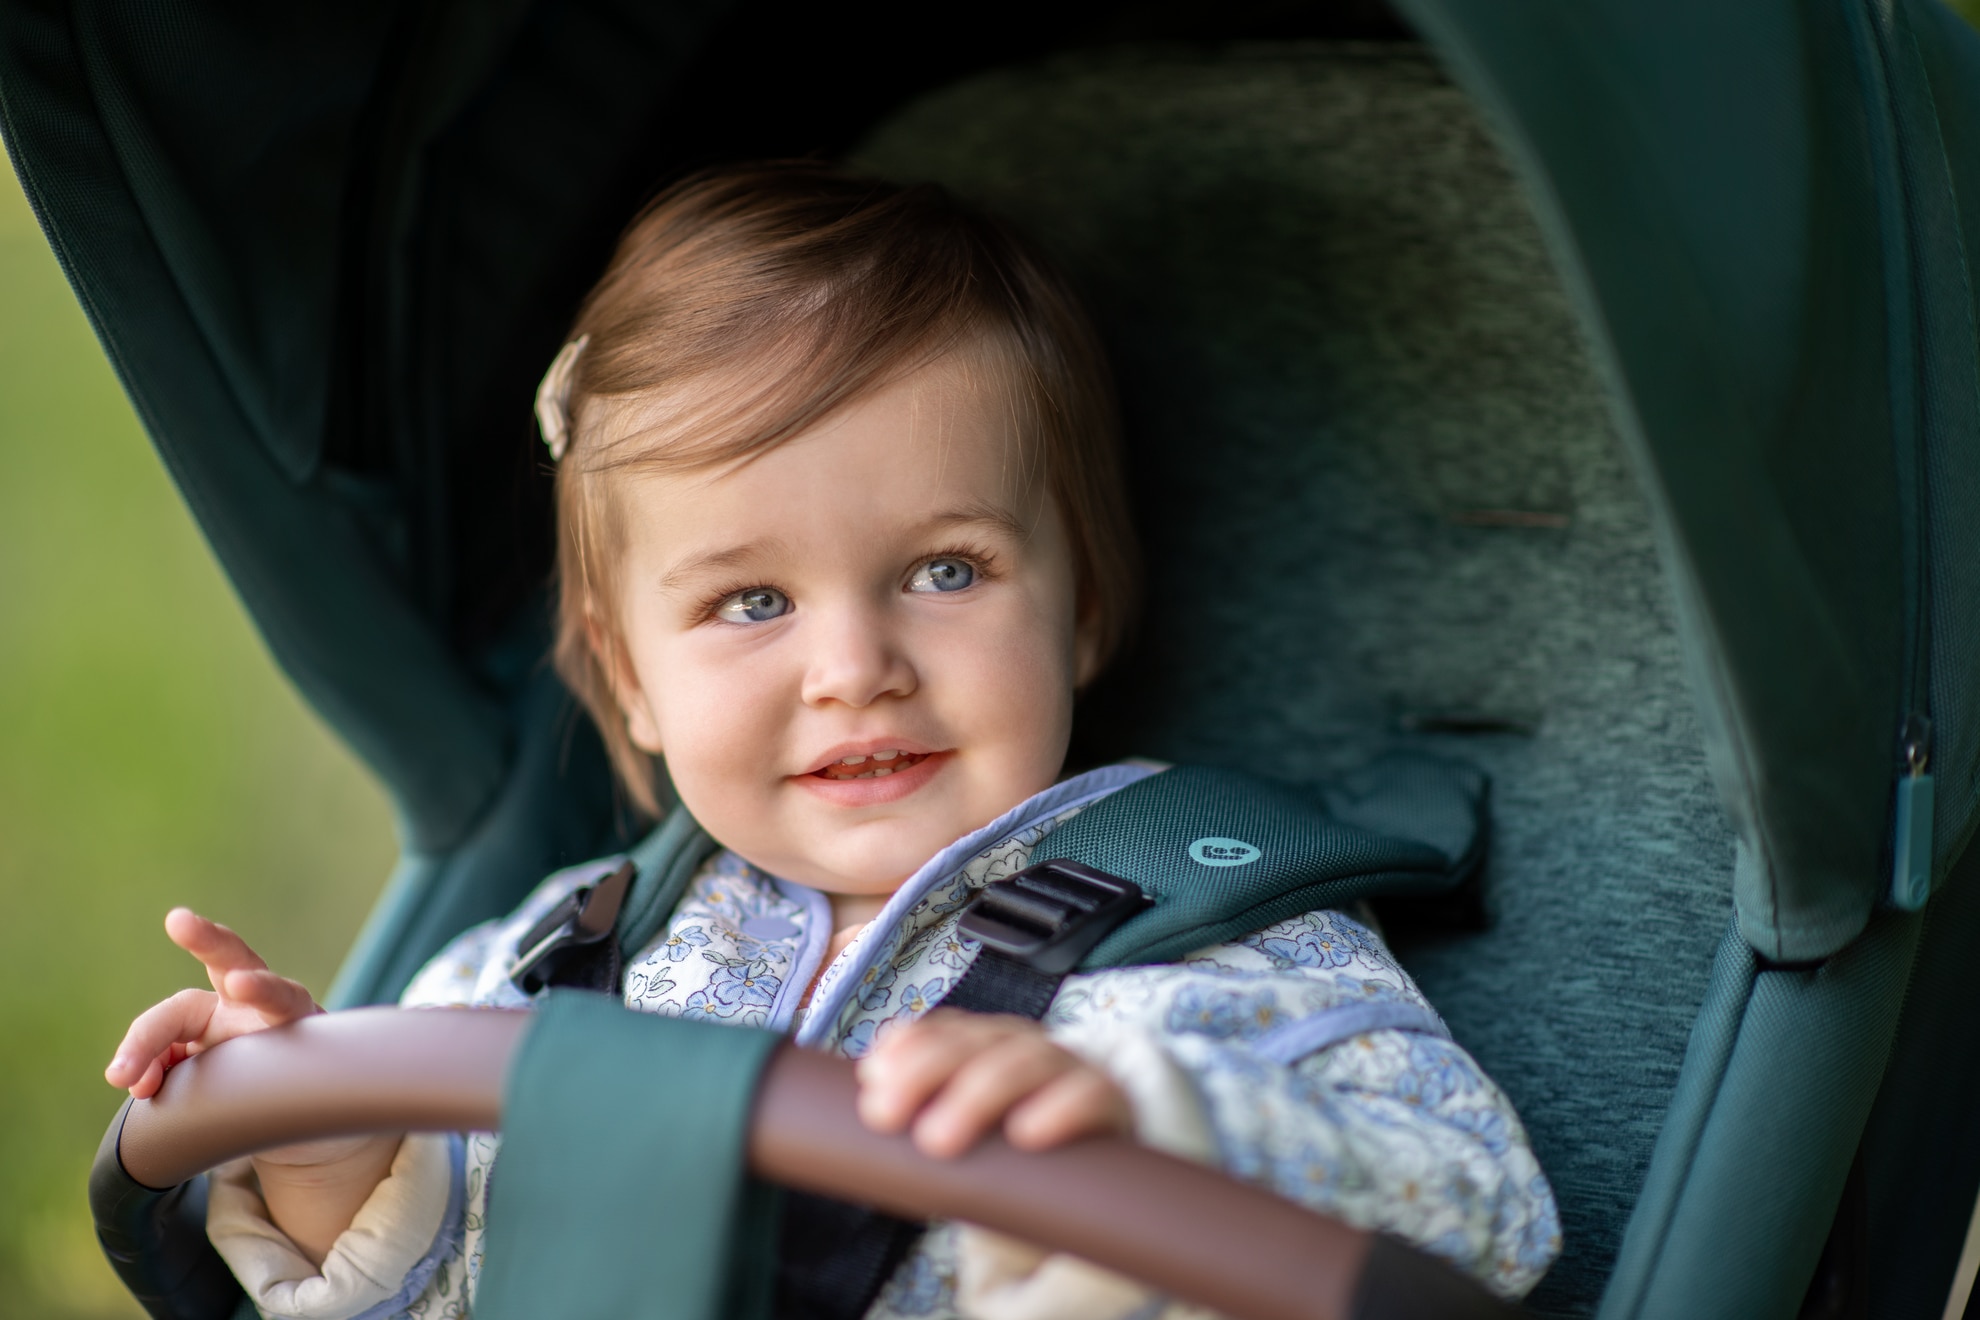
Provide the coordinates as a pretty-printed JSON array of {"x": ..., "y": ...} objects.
[{"x": 150, "y": 754}]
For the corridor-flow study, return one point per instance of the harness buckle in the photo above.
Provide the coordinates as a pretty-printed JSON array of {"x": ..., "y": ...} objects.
[
  {"x": 1049, "y": 915},
  {"x": 572, "y": 929}
]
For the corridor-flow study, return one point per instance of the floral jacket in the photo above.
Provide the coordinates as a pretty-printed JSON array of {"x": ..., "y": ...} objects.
[{"x": 1303, "y": 1052}]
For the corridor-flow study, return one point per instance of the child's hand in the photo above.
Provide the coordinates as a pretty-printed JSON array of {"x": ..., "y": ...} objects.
[
  {"x": 955, "y": 1076},
  {"x": 246, "y": 997}
]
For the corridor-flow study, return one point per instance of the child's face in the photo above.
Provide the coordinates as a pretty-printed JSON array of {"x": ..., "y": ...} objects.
[{"x": 887, "y": 585}]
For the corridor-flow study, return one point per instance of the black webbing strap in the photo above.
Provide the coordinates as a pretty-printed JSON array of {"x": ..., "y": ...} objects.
[
  {"x": 999, "y": 983},
  {"x": 1034, "y": 927},
  {"x": 833, "y": 1257}
]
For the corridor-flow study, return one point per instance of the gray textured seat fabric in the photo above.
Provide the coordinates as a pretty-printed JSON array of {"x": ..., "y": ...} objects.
[{"x": 1382, "y": 504}]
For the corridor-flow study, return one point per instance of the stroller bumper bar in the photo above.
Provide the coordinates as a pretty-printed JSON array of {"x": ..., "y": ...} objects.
[{"x": 1183, "y": 1228}]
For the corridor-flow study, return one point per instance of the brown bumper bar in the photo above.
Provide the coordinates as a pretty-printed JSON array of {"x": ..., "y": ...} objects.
[{"x": 1188, "y": 1230}]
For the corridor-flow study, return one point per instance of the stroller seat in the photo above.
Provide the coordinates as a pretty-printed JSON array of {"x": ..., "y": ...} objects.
[{"x": 1343, "y": 334}]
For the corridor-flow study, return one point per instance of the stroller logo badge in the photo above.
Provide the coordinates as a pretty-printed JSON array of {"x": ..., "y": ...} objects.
[{"x": 1214, "y": 851}]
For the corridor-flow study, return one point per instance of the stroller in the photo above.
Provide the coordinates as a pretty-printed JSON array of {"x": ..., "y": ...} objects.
[{"x": 1583, "y": 390}]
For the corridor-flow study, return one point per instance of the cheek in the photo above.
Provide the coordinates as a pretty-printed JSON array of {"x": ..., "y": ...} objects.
[
  {"x": 714, "y": 715},
  {"x": 1012, "y": 684}
]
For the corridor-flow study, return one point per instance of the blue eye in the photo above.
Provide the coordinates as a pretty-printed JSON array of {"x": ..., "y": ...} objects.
[
  {"x": 943, "y": 575},
  {"x": 756, "y": 605}
]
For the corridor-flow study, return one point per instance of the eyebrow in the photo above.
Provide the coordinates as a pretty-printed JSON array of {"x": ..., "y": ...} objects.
[
  {"x": 982, "y": 513},
  {"x": 977, "y": 513},
  {"x": 715, "y": 560}
]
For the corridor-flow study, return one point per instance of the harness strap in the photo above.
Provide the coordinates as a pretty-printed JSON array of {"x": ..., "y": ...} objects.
[
  {"x": 999, "y": 983},
  {"x": 1172, "y": 863},
  {"x": 1033, "y": 927},
  {"x": 834, "y": 1257}
]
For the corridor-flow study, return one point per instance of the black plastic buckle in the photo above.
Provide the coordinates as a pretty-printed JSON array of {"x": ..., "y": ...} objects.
[
  {"x": 570, "y": 930},
  {"x": 1049, "y": 915}
]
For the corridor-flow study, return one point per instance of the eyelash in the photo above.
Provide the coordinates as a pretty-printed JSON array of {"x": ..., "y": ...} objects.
[
  {"x": 978, "y": 557},
  {"x": 982, "y": 560}
]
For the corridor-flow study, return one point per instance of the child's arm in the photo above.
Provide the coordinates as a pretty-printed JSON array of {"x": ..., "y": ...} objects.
[{"x": 313, "y": 1190}]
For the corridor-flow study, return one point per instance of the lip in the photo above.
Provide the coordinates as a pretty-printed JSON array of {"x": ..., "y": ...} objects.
[
  {"x": 875, "y": 792},
  {"x": 868, "y": 748}
]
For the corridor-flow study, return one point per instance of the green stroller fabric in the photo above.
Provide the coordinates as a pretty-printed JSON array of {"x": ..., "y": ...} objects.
[
  {"x": 329, "y": 250},
  {"x": 572, "y": 1200}
]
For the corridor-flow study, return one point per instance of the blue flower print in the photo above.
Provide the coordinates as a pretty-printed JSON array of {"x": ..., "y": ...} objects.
[
  {"x": 875, "y": 986},
  {"x": 1540, "y": 1240},
  {"x": 1437, "y": 1071},
  {"x": 1384, "y": 992},
  {"x": 954, "y": 898},
  {"x": 940, "y": 902},
  {"x": 703, "y": 1004},
  {"x": 918, "y": 999},
  {"x": 919, "y": 1288},
  {"x": 683, "y": 940},
  {"x": 736, "y": 889},
  {"x": 1488, "y": 1125},
  {"x": 740, "y": 984},
  {"x": 1312, "y": 941},
  {"x": 860, "y": 1039},
  {"x": 1221, "y": 1013},
  {"x": 1357, "y": 934},
  {"x": 1303, "y": 1172},
  {"x": 951, "y": 950}
]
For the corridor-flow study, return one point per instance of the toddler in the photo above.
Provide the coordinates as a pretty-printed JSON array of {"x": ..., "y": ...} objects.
[{"x": 842, "y": 532}]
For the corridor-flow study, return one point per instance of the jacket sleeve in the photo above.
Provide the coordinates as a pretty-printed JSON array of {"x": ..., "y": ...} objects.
[
  {"x": 398, "y": 1242},
  {"x": 410, "y": 1247},
  {"x": 1320, "y": 1071}
]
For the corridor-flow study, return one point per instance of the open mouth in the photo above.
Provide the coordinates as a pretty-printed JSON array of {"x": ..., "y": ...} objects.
[{"x": 872, "y": 765}]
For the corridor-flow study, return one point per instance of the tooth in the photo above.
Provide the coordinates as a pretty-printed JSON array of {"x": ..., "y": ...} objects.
[
  {"x": 885, "y": 756},
  {"x": 882, "y": 772},
  {"x": 851, "y": 760}
]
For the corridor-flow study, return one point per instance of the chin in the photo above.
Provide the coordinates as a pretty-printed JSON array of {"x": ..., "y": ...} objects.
[{"x": 880, "y": 867}]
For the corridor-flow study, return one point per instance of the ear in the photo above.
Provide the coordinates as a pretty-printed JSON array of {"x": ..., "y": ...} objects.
[
  {"x": 1086, "y": 645},
  {"x": 610, "y": 651}
]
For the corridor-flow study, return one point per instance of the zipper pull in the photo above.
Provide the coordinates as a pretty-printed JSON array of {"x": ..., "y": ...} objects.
[{"x": 1911, "y": 850}]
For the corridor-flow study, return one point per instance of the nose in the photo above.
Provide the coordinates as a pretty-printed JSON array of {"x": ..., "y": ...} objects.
[{"x": 855, "y": 659}]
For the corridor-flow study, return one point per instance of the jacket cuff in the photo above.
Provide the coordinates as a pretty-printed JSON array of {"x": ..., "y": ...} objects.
[
  {"x": 1169, "y": 1113},
  {"x": 376, "y": 1267}
]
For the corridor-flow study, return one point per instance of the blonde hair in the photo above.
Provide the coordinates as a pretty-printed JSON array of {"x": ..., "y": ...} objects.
[{"x": 841, "y": 284}]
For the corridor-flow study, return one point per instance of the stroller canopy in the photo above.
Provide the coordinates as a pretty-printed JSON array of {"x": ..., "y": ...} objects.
[{"x": 330, "y": 248}]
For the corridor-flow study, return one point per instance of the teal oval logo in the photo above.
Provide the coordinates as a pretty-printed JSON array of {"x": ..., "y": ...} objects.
[{"x": 1223, "y": 852}]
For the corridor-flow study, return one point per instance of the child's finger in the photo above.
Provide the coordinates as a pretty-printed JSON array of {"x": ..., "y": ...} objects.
[
  {"x": 1082, "y": 1102},
  {"x": 913, "y": 1062},
  {"x": 276, "y": 998},
  {"x": 147, "y": 1085},
  {"x": 183, "y": 1017},
  {"x": 975, "y": 1099},
  {"x": 219, "y": 948},
  {"x": 906, "y": 1046}
]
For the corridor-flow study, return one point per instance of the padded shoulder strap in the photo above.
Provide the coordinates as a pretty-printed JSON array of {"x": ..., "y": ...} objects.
[
  {"x": 1223, "y": 853},
  {"x": 666, "y": 860}
]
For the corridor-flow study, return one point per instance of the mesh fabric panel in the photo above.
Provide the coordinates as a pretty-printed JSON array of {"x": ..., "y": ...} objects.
[{"x": 1154, "y": 833}]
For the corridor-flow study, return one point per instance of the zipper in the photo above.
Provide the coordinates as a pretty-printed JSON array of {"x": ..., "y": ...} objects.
[
  {"x": 1892, "y": 150},
  {"x": 1911, "y": 842}
]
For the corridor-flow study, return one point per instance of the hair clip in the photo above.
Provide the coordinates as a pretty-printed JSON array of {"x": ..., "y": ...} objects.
[{"x": 553, "y": 398}]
